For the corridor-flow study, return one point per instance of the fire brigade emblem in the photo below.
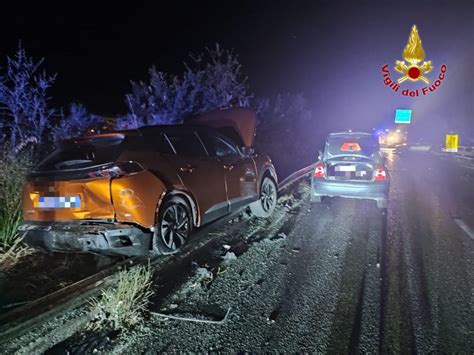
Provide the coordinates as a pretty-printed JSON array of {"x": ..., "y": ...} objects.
[{"x": 413, "y": 54}]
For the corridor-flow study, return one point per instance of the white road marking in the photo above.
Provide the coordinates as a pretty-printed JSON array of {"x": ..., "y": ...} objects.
[{"x": 464, "y": 227}]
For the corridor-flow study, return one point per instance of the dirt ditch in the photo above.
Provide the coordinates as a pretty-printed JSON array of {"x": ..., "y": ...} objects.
[{"x": 39, "y": 274}]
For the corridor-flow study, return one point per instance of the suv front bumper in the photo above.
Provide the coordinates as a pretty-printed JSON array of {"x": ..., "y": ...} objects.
[{"x": 74, "y": 236}]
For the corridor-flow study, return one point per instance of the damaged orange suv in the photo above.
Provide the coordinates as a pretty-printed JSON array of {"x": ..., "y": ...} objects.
[{"x": 147, "y": 189}]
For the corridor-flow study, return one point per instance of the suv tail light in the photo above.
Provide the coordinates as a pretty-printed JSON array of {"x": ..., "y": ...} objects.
[
  {"x": 115, "y": 170},
  {"x": 380, "y": 174},
  {"x": 319, "y": 171}
]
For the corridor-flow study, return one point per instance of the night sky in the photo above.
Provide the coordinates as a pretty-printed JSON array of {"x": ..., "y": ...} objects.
[{"x": 331, "y": 51}]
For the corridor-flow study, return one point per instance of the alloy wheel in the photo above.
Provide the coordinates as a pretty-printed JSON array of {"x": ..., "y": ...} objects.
[
  {"x": 175, "y": 226},
  {"x": 268, "y": 196}
]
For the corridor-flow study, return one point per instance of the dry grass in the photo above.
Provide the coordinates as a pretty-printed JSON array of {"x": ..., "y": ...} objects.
[
  {"x": 123, "y": 306},
  {"x": 12, "y": 173},
  {"x": 10, "y": 257}
]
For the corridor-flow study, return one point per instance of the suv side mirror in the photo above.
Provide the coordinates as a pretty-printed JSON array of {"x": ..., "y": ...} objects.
[
  {"x": 320, "y": 154},
  {"x": 248, "y": 151}
]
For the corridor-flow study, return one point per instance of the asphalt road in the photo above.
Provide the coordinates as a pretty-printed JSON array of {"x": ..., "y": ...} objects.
[{"x": 343, "y": 277}]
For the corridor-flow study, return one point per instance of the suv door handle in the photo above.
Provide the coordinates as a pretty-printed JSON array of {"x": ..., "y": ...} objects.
[
  {"x": 228, "y": 167},
  {"x": 188, "y": 168}
]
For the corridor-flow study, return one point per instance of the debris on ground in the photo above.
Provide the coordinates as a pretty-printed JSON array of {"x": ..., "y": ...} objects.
[
  {"x": 192, "y": 319},
  {"x": 229, "y": 257}
]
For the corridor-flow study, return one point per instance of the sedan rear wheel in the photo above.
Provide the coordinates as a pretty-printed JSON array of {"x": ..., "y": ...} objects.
[
  {"x": 173, "y": 227},
  {"x": 268, "y": 198}
]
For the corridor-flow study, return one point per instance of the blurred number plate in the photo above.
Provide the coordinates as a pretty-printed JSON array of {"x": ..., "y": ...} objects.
[
  {"x": 58, "y": 202},
  {"x": 346, "y": 168}
]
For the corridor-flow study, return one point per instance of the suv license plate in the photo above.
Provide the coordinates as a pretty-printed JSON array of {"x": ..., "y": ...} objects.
[{"x": 59, "y": 202}]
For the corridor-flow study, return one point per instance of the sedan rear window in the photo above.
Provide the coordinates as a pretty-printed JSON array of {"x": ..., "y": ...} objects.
[
  {"x": 350, "y": 147},
  {"x": 347, "y": 144}
]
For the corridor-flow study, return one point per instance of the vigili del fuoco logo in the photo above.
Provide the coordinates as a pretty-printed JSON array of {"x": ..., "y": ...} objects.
[{"x": 414, "y": 68}]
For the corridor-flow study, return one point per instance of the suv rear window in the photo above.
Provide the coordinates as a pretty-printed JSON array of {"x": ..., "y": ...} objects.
[
  {"x": 351, "y": 144},
  {"x": 82, "y": 153}
]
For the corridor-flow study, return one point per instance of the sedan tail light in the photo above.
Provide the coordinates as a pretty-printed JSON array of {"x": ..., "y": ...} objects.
[
  {"x": 380, "y": 174},
  {"x": 115, "y": 170},
  {"x": 319, "y": 171}
]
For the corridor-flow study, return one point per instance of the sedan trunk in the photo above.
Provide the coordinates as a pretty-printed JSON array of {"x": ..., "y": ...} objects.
[{"x": 349, "y": 169}]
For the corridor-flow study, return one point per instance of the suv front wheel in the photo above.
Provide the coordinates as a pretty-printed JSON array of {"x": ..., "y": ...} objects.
[{"x": 265, "y": 205}]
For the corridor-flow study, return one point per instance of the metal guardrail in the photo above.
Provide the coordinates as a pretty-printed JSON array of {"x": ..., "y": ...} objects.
[
  {"x": 297, "y": 175},
  {"x": 464, "y": 151}
]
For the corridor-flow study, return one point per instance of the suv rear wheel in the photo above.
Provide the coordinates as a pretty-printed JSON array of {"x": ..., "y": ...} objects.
[
  {"x": 173, "y": 227},
  {"x": 268, "y": 198}
]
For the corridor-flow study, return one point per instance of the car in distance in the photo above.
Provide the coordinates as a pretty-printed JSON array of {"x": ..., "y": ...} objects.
[
  {"x": 351, "y": 166},
  {"x": 146, "y": 189}
]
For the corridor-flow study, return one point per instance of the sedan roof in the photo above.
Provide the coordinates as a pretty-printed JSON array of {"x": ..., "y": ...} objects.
[{"x": 350, "y": 134}]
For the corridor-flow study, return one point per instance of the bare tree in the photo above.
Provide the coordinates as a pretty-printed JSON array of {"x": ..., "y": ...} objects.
[
  {"x": 211, "y": 80},
  {"x": 75, "y": 123},
  {"x": 24, "y": 110}
]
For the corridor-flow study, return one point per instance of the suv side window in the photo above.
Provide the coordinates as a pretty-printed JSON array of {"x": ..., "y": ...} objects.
[
  {"x": 186, "y": 143},
  {"x": 218, "y": 146}
]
